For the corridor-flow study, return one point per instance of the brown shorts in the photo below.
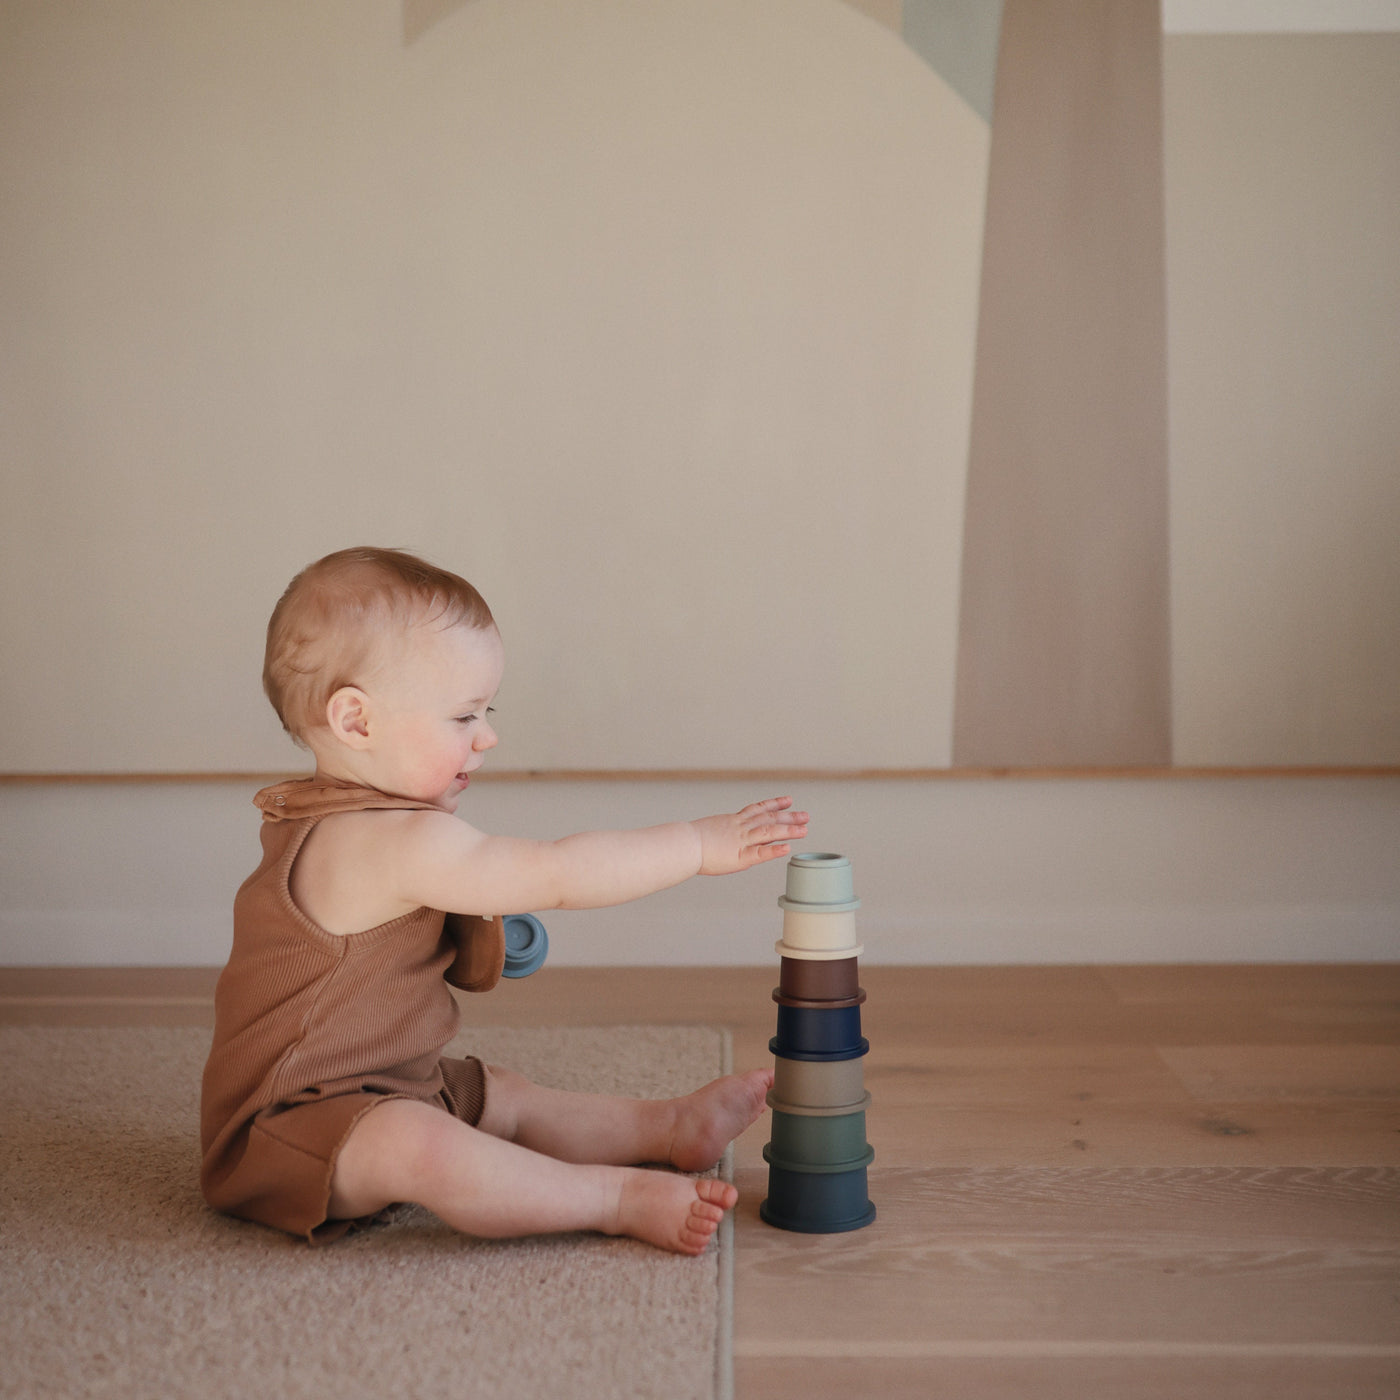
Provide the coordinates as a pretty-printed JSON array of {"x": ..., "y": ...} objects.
[{"x": 283, "y": 1176}]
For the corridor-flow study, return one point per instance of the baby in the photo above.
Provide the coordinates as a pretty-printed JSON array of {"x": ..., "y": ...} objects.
[{"x": 326, "y": 1096}]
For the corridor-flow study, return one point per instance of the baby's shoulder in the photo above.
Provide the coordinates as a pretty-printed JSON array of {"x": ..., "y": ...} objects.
[
  {"x": 373, "y": 826},
  {"x": 354, "y": 869},
  {"x": 388, "y": 835}
]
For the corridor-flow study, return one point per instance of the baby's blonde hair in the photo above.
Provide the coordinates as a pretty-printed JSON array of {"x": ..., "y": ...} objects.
[{"x": 328, "y": 624}]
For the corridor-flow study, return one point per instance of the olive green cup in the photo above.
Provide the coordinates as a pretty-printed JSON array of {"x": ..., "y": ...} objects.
[{"x": 838, "y": 1085}]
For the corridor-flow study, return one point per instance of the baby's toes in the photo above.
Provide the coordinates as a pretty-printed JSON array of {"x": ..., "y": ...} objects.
[
  {"x": 702, "y": 1214},
  {"x": 698, "y": 1231},
  {"x": 720, "y": 1194}
]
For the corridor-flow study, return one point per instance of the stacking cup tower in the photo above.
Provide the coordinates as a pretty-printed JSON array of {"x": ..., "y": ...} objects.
[{"x": 818, "y": 1154}]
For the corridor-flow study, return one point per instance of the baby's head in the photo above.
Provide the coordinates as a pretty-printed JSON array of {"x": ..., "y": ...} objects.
[{"x": 343, "y": 616}]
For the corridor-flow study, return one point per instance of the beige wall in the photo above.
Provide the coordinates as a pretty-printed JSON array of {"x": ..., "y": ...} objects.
[
  {"x": 660, "y": 331},
  {"x": 664, "y": 333}
]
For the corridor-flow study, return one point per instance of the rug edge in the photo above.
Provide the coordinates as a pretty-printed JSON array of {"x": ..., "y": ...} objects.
[{"x": 724, "y": 1329}]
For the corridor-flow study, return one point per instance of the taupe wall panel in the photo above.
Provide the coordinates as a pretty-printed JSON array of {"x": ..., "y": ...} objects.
[
  {"x": 1064, "y": 646},
  {"x": 419, "y": 16}
]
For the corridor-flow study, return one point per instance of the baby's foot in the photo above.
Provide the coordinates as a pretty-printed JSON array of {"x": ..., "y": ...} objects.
[
  {"x": 677, "y": 1213},
  {"x": 708, "y": 1120}
]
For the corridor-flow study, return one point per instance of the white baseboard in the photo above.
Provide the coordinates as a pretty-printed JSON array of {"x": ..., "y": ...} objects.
[
  {"x": 1111, "y": 870},
  {"x": 637, "y": 937}
]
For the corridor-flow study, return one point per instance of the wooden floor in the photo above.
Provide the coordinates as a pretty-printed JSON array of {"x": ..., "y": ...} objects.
[{"x": 1091, "y": 1182}]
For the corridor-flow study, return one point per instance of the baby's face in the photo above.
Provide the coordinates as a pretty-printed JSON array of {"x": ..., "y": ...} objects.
[{"x": 428, "y": 722}]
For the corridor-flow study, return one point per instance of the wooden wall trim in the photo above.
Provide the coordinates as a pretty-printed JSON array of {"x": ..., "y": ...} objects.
[
  {"x": 729, "y": 775},
  {"x": 1064, "y": 646}
]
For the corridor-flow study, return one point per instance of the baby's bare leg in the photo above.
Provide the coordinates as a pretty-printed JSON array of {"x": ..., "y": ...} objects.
[
  {"x": 690, "y": 1132},
  {"x": 482, "y": 1185}
]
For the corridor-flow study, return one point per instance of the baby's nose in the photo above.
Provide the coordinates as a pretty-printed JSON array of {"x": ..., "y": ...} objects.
[{"x": 485, "y": 738}]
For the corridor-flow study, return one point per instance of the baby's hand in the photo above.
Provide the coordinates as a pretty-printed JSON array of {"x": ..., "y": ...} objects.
[{"x": 760, "y": 832}]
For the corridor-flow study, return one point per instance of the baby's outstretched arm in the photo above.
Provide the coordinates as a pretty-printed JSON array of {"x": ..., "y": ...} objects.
[{"x": 436, "y": 860}]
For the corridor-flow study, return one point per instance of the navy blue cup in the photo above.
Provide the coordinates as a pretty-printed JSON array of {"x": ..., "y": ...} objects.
[
  {"x": 807, "y": 1030},
  {"x": 817, "y": 1202}
]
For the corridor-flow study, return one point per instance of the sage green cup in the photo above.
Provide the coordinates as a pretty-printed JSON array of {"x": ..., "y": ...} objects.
[
  {"x": 820, "y": 877},
  {"x": 819, "y": 1138}
]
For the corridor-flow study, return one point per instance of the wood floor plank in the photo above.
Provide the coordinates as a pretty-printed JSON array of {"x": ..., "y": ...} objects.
[
  {"x": 105, "y": 983},
  {"x": 1303, "y": 1004},
  {"x": 1285, "y": 1375},
  {"x": 1020, "y": 1006},
  {"x": 1360, "y": 984},
  {"x": 959, "y": 1076},
  {"x": 1179, "y": 1256},
  {"x": 1339, "y": 1133},
  {"x": 107, "y": 996},
  {"x": 1277, "y": 1073}
]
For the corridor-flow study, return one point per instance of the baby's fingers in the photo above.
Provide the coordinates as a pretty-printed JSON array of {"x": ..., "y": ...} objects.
[
  {"x": 772, "y": 808},
  {"x": 768, "y": 827},
  {"x": 756, "y": 855},
  {"x": 767, "y": 837}
]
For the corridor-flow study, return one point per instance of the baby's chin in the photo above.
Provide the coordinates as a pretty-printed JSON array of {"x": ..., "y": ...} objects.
[{"x": 448, "y": 800}]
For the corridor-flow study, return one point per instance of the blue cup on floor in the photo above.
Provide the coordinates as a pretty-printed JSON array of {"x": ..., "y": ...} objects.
[{"x": 527, "y": 945}]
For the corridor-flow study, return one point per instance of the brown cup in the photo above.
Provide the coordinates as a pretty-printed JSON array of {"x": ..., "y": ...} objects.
[
  {"x": 834, "y": 1004},
  {"x": 807, "y": 979}
]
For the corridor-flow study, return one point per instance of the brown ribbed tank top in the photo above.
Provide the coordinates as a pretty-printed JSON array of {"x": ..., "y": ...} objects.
[{"x": 302, "y": 1015}]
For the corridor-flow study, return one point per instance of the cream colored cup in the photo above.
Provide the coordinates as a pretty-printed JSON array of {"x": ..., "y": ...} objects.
[
  {"x": 819, "y": 932},
  {"x": 786, "y": 950}
]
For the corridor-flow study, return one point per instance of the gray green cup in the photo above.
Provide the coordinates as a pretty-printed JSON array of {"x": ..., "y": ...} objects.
[
  {"x": 829, "y": 1084},
  {"x": 820, "y": 880},
  {"x": 818, "y": 1139}
]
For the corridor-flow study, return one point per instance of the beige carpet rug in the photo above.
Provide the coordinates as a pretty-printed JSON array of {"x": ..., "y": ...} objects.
[{"x": 116, "y": 1280}]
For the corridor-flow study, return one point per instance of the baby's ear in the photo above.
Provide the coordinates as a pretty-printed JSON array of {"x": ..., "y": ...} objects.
[{"x": 347, "y": 716}]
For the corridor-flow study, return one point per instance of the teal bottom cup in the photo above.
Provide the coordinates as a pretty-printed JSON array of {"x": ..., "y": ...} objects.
[{"x": 817, "y": 1202}]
